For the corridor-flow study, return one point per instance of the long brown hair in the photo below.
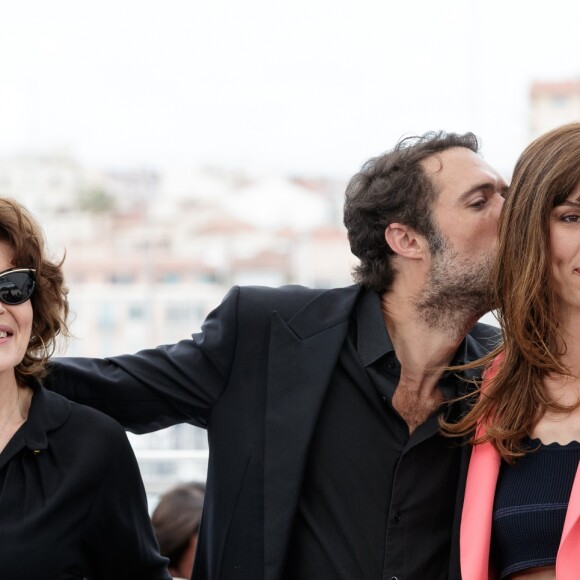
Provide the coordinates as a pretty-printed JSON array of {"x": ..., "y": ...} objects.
[{"x": 515, "y": 396}]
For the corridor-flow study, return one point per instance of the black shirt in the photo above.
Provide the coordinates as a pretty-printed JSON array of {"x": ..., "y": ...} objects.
[
  {"x": 376, "y": 503},
  {"x": 72, "y": 503}
]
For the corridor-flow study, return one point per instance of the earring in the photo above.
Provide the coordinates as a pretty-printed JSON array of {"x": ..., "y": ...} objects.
[
  {"x": 31, "y": 365},
  {"x": 46, "y": 353}
]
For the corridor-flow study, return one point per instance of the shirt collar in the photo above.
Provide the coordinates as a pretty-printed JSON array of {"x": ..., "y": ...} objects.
[
  {"x": 47, "y": 412},
  {"x": 373, "y": 340}
]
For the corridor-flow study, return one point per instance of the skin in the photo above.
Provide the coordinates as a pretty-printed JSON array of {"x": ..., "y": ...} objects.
[
  {"x": 428, "y": 310},
  {"x": 185, "y": 566},
  {"x": 466, "y": 214},
  {"x": 469, "y": 201},
  {"x": 565, "y": 257},
  {"x": 546, "y": 573},
  {"x": 565, "y": 253},
  {"x": 16, "y": 322}
]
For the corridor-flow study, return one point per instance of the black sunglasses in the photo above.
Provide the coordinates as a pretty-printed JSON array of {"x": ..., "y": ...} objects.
[{"x": 16, "y": 285}]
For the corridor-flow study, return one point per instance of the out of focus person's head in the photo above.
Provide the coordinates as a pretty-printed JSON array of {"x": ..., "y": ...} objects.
[
  {"x": 32, "y": 275},
  {"x": 539, "y": 228},
  {"x": 176, "y": 521},
  {"x": 435, "y": 188}
]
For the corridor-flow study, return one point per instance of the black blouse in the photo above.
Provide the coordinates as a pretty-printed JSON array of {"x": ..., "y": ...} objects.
[{"x": 72, "y": 503}]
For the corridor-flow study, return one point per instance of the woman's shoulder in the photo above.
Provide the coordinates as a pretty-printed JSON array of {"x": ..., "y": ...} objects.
[
  {"x": 80, "y": 440},
  {"x": 77, "y": 420}
]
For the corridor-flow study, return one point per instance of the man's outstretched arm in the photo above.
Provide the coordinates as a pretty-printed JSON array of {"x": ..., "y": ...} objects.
[{"x": 158, "y": 387}]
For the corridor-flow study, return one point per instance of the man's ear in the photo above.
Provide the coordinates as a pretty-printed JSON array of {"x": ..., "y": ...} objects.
[{"x": 405, "y": 241}]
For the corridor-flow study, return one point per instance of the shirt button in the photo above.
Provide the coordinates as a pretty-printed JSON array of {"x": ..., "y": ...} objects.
[{"x": 397, "y": 519}]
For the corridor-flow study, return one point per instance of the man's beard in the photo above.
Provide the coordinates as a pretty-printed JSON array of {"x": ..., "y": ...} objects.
[{"x": 457, "y": 293}]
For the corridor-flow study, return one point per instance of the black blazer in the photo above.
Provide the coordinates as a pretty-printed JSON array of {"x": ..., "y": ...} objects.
[{"x": 255, "y": 377}]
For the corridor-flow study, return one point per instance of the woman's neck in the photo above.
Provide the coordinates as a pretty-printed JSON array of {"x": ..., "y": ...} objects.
[
  {"x": 569, "y": 331},
  {"x": 14, "y": 406}
]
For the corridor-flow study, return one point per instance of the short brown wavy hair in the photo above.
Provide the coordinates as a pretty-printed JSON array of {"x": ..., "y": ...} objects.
[{"x": 20, "y": 230}]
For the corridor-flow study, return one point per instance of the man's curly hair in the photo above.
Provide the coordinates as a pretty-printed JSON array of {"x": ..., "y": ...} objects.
[{"x": 394, "y": 188}]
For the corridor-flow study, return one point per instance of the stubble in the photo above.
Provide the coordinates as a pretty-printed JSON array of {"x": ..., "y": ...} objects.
[{"x": 457, "y": 292}]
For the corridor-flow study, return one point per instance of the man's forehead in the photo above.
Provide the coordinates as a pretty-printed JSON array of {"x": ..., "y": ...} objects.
[{"x": 459, "y": 168}]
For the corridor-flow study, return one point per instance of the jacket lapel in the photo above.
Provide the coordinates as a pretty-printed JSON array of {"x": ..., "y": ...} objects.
[
  {"x": 476, "y": 521},
  {"x": 567, "y": 560},
  {"x": 302, "y": 357}
]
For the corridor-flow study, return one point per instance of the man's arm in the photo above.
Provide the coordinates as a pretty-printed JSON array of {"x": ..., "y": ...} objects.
[{"x": 159, "y": 387}]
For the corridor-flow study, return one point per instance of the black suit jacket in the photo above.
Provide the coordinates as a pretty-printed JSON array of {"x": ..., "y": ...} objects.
[{"x": 255, "y": 377}]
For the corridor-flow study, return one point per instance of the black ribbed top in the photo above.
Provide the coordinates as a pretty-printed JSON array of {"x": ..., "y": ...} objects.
[{"x": 530, "y": 505}]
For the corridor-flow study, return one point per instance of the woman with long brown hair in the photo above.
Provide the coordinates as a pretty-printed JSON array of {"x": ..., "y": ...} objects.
[{"x": 521, "y": 512}]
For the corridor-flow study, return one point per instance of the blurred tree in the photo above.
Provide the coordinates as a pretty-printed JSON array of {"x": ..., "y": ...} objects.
[{"x": 96, "y": 200}]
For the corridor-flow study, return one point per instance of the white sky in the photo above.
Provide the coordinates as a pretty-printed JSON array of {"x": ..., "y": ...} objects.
[{"x": 310, "y": 86}]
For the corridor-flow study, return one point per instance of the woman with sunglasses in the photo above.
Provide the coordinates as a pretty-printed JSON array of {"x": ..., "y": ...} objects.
[
  {"x": 521, "y": 510},
  {"x": 72, "y": 503}
]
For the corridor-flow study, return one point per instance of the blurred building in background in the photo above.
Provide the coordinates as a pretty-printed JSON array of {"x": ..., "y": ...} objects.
[
  {"x": 149, "y": 255},
  {"x": 553, "y": 104}
]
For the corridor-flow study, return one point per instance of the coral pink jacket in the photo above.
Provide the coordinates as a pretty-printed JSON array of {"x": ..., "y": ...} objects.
[{"x": 476, "y": 519}]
